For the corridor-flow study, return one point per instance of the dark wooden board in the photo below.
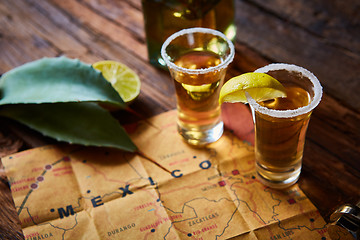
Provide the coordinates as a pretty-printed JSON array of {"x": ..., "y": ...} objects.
[{"x": 322, "y": 36}]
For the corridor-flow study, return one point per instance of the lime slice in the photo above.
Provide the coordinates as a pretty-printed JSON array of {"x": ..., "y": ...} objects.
[
  {"x": 260, "y": 86},
  {"x": 124, "y": 80}
]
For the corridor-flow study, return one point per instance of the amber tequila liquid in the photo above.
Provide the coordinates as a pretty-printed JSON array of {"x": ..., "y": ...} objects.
[
  {"x": 197, "y": 62},
  {"x": 280, "y": 141},
  {"x": 197, "y": 96},
  {"x": 280, "y": 128}
]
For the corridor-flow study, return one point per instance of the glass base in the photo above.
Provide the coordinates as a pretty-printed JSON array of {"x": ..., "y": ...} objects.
[
  {"x": 278, "y": 180},
  {"x": 199, "y": 137}
]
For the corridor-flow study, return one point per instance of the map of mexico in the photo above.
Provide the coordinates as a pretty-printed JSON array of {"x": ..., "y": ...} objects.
[{"x": 74, "y": 192}]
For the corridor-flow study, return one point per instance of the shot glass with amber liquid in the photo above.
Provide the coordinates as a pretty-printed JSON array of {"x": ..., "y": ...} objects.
[
  {"x": 281, "y": 125},
  {"x": 197, "y": 59}
]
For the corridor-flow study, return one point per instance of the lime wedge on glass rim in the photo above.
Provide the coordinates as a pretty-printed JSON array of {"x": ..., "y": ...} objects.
[
  {"x": 124, "y": 80},
  {"x": 260, "y": 86}
]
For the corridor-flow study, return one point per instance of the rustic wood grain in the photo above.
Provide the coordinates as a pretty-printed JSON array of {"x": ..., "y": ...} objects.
[
  {"x": 10, "y": 228},
  {"x": 10, "y": 143},
  {"x": 322, "y": 36}
]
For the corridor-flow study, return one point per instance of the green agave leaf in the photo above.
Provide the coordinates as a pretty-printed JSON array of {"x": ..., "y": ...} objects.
[
  {"x": 59, "y": 79},
  {"x": 80, "y": 123}
]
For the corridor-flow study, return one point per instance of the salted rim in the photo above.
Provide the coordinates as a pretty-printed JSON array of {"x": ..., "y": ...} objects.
[
  {"x": 222, "y": 65},
  {"x": 289, "y": 113}
]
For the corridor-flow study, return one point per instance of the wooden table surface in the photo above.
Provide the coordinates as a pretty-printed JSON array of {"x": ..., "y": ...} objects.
[{"x": 322, "y": 36}]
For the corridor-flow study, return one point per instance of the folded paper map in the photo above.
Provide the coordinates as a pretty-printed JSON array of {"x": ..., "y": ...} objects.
[{"x": 76, "y": 192}]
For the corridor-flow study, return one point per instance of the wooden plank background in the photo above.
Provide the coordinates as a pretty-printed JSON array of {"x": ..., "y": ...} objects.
[{"x": 321, "y": 35}]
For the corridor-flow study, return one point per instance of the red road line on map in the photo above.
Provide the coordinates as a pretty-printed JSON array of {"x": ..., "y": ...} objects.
[
  {"x": 269, "y": 230},
  {"x": 253, "y": 202},
  {"x": 147, "y": 234},
  {"x": 183, "y": 232},
  {"x": 244, "y": 171},
  {"x": 103, "y": 174},
  {"x": 321, "y": 233},
  {"x": 174, "y": 190},
  {"x": 233, "y": 145},
  {"x": 119, "y": 181},
  {"x": 230, "y": 152},
  {"x": 159, "y": 217}
]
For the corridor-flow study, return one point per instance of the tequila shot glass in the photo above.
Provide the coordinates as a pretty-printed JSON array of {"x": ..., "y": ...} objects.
[
  {"x": 197, "y": 59},
  {"x": 281, "y": 125}
]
